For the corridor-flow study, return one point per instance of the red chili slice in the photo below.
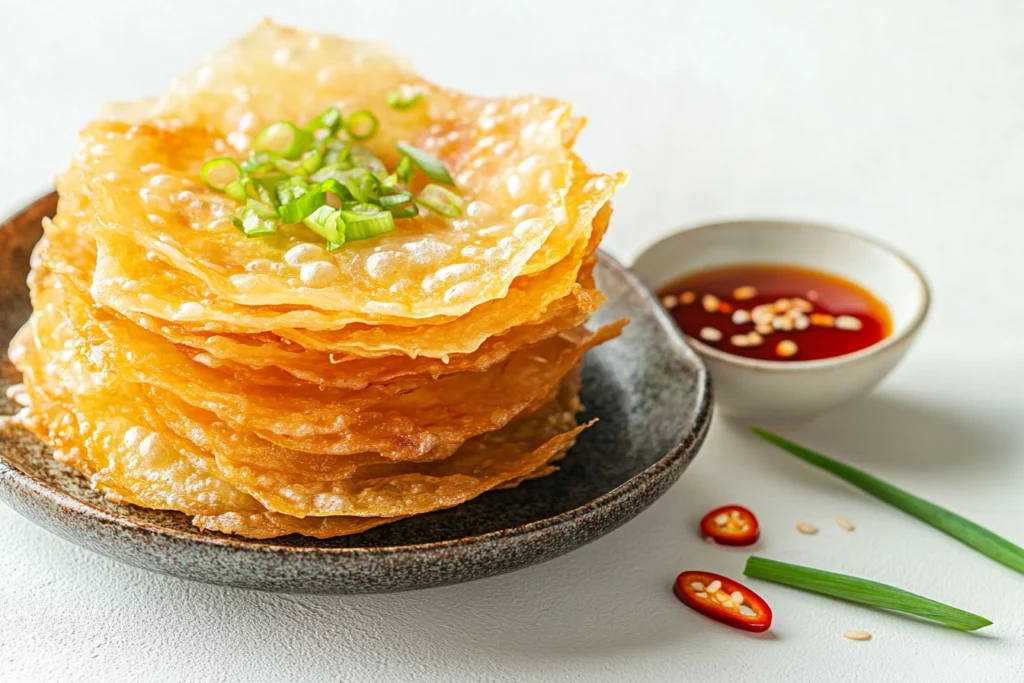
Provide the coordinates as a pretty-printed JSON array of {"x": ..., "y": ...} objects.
[
  {"x": 716, "y": 596},
  {"x": 731, "y": 525}
]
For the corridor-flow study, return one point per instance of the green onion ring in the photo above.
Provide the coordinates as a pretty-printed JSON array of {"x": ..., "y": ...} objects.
[
  {"x": 283, "y": 138},
  {"x": 365, "y": 121},
  {"x": 218, "y": 174},
  {"x": 361, "y": 224}
]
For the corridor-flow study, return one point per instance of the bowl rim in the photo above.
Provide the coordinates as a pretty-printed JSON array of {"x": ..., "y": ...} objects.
[
  {"x": 923, "y": 298},
  {"x": 690, "y": 441}
]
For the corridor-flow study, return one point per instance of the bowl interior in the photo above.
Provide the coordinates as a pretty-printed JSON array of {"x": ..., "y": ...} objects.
[{"x": 881, "y": 270}]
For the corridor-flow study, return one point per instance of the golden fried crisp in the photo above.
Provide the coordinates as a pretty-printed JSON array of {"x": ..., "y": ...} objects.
[
  {"x": 267, "y": 386},
  {"x": 119, "y": 440}
]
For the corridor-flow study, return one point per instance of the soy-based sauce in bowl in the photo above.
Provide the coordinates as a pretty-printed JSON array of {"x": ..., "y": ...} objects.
[{"x": 777, "y": 312}]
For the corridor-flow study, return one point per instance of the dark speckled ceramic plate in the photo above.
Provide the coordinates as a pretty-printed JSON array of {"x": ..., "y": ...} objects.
[{"x": 649, "y": 390}]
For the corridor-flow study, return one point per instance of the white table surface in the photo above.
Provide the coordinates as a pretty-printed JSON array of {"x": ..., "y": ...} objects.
[{"x": 902, "y": 119}]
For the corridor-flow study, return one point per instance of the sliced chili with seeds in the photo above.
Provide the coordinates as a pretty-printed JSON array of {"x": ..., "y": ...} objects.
[
  {"x": 723, "y": 600},
  {"x": 731, "y": 525}
]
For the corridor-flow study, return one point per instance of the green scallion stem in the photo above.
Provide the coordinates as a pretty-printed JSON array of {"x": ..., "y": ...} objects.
[
  {"x": 433, "y": 168},
  {"x": 964, "y": 530},
  {"x": 862, "y": 592}
]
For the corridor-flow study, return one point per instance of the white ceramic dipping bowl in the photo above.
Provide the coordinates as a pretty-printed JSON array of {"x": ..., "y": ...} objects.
[{"x": 748, "y": 388}]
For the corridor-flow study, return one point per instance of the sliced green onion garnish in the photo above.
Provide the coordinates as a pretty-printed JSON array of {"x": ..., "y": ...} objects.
[
  {"x": 302, "y": 207},
  {"x": 237, "y": 191},
  {"x": 219, "y": 173},
  {"x": 404, "y": 98},
  {"x": 261, "y": 209},
  {"x": 363, "y": 157},
  {"x": 404, "y": 170},
  {"x": 283, "y": 138},
  {"x": 399, "y": 202},
  {"x": 297, "y": 175},
  {"x": 390, "y": 196},
  {"x": 270, "y": 181},
  {"x": 327, "y": 223},
  {"x": 364, "y": 221},
  {"x": 964, "y": 530},
  {"x": 254, "y": 224},
  {"x": 258, "y": 162},
  {"x": 433, "y": 168},
  {"x": 335, "y": 150},
  {"x": 333, "y": 186},
  {"x": 330, "y": 121},
  {"x": 264, "y": 191},
  {"x": 861, "y": 591},
  {"x": 290, "y": 189},
  {"x": 361, "y": 125},
  {"x": 410, "y": 210},
  {"x": 440, "y": 200},
  {"x": 309, "y": 163},
  {"x": 335, "y": 171},
  {"x": 361, "y": 184}
]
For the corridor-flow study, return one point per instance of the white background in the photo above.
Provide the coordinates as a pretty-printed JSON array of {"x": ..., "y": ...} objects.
[{"x": 900, "y": 118}]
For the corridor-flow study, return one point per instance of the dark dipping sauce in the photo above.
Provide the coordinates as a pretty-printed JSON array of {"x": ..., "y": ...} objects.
[{"x": 776, "y": 312}]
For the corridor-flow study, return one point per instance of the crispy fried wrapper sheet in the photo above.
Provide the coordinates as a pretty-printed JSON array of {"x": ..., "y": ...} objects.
[{"x": 267, "y": 387}]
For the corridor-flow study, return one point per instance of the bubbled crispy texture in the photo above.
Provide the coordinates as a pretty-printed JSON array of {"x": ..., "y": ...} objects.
[
  {"x": 127, "y": 281},
  {"x": 119, "y": 440},
  {"x": 267, "y": 387},
  {"x": 509, "y": 157}
]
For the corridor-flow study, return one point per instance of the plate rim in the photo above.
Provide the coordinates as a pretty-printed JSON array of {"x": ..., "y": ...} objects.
[{"x": 693, "y": 436}]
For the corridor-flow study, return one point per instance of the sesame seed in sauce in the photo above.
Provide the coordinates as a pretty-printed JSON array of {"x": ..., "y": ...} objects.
[
  {"x": 848, "y": 322},
  {"x": 743, "y": 293},
  {"x": 786, "y": 348},
  {"x": 783, "y": 322},
  {"x": 710, "y": 334},
  {"x": 822, "y": 320}
]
